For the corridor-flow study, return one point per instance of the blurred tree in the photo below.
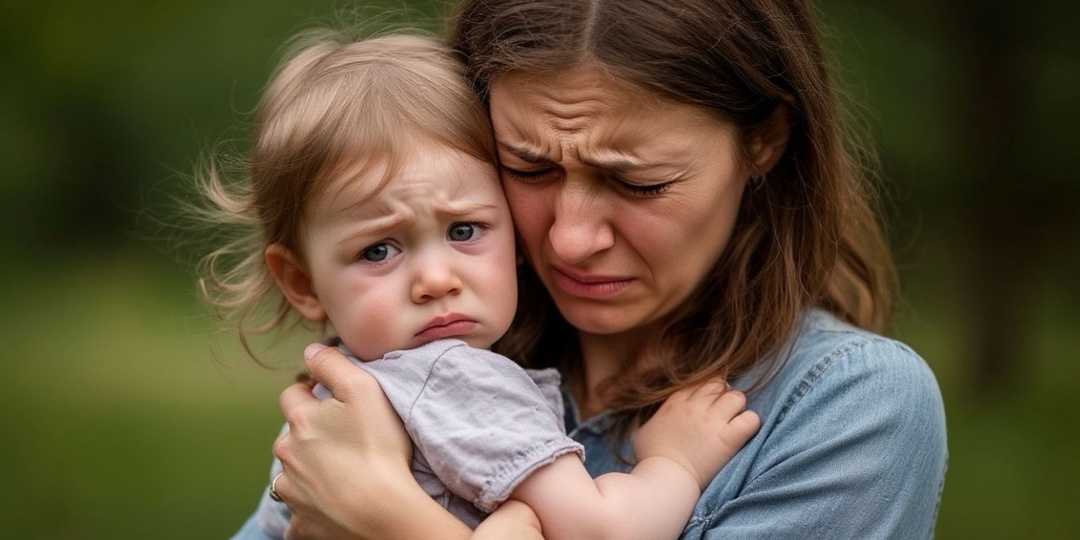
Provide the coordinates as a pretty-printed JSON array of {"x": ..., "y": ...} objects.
[
  {"x": 1016, "y": 195},
  {"x": 998, "y": 186},
  {"x": 1002, "y": 220}
]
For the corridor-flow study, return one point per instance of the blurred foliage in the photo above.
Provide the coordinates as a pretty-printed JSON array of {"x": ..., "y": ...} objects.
[{"x": 129, "y": 417}]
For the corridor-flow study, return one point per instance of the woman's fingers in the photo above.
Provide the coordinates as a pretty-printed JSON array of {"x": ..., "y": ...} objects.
[
  {"x": 274, "y": 489},
  {"x": 294, "y": 397},
  {"x": 329, "y": 367}
]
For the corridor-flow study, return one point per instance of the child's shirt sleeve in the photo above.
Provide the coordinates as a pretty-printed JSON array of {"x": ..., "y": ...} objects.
[{"x": 482, "y": 423}]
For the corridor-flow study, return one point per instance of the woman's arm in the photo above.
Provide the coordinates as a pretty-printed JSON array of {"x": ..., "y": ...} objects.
[{"x": 346, "y": 463}]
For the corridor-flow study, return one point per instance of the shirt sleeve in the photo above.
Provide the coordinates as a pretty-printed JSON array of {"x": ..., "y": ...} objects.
[
  {"x": 271, "y": 519},
  {"x": 483, "y": 425},
  {"x": 858, "y": 450}
]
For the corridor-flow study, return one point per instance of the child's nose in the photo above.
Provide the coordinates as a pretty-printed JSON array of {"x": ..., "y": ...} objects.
[{"x": 435, "y": 280}]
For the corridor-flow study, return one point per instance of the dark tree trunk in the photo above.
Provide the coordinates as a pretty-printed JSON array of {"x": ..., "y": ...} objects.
[{"x": 999, "y": 212}]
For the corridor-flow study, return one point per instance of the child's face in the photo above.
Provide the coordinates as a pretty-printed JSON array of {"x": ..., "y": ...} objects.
[{"x": 431, "y": 255}]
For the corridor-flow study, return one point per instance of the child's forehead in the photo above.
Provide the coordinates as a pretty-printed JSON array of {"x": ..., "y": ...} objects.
[{"x": 425, "y": 174}]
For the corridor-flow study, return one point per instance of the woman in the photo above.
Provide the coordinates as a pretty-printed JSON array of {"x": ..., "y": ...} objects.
[{"x": 689, "y": 206}]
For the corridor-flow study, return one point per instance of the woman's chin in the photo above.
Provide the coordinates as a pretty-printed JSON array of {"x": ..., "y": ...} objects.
[{"x": 600, "y": 321}]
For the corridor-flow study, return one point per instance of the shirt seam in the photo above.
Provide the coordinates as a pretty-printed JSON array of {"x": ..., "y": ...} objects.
[
  {"x": 812, "y": 375},
  {"x": 510, "y": 475}
]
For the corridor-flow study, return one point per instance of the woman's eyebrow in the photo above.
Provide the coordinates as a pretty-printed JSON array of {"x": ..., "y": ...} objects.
[
  {"x": 527, "y": 155},
  {"x": 616, "y": 164}
]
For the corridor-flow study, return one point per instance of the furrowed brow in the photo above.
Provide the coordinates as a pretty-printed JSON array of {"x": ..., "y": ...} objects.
[
  {"x": 464, "y": 210},
  {"x": 527, "y": 155},
  {"x": 615, "y": 164},
  {"x": 376, "y": 227}
]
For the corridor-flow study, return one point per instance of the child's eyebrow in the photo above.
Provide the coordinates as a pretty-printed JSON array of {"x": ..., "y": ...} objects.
[
  {"x": 463, "y": 210},
  {"x": 387, "y": 223}
]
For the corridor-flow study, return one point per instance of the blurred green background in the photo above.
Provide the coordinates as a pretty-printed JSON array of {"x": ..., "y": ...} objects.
[{"x": 128, "y": 417}]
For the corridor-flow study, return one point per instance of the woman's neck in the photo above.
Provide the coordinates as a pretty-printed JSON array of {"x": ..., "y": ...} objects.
[{"x": 602, "y": 357}]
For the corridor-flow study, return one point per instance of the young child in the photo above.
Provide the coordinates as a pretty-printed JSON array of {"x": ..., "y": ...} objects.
[{"x": 373, "y": 186}]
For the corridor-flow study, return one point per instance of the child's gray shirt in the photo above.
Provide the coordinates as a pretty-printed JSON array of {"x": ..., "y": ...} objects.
[{"x": 480, "y": 424}]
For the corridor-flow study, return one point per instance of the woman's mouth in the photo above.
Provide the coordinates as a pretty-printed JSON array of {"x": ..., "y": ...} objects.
[{"x": 591, "y": 286}]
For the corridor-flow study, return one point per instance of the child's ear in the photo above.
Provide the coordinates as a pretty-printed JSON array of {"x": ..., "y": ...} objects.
[{"x": 294, "y": 282}]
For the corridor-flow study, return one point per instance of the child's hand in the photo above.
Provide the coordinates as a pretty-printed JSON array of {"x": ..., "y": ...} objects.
[{"x": 700, "y": 428}]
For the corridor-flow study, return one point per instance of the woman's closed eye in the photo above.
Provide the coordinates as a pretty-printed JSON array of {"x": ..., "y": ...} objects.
[
  {"x": 639, "y": 190},
  {"x": 530, "y": 176},
  {"x": 624, "y": 187}
]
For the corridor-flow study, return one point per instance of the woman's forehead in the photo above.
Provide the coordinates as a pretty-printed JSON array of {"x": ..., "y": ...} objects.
[
  {"x": 531, "y": 113},
  {"x": 583, "y": 82}
]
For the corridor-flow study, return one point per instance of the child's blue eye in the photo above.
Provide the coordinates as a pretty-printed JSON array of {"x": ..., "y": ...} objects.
[
  {"x": 461, "y": 232},
  {"x": 378, "y": 253}
]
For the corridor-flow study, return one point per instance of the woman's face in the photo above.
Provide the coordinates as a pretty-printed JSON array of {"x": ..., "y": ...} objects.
[{"x": 622, "y": 200}]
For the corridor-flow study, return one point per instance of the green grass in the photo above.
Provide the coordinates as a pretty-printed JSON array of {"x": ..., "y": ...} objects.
[{"x": 120, "y": 422}]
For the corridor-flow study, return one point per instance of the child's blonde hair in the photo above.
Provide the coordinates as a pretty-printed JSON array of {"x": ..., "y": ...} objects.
[{"x": 333, "y": 104}]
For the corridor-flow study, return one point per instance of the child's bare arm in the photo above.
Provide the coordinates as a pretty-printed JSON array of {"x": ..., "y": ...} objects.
[
  {"x": 679, "y": 450},
  {"x": 701, "y": 428},
  {"x": 513, "y": 520}
]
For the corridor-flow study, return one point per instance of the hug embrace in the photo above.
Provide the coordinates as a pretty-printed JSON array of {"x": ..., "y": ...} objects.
[{"x": 589, "y": 269}]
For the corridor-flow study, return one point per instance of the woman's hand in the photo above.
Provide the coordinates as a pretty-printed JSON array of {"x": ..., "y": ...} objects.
[
  {"x": 346, "y": 466},
  {"x": 342, "y": 457}
]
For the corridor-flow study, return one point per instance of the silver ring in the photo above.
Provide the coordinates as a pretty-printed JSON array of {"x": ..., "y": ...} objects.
[{"x": 273, "y": 488}]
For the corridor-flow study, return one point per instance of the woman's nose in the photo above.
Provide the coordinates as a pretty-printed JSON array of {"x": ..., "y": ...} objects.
[
  {"x": 581, "y": 227},
  {"x": 434, "y": 279}
]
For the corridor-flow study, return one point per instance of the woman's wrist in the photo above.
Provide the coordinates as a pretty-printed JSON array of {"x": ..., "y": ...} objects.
[{"x": 407, "y": 511}]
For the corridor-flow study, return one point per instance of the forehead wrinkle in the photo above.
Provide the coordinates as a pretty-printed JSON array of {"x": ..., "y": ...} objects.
[
  {"x": 463, "y": 210},
  {"x": 377, "y": 226},
  {"x": 531, "y": 153},
  {"x": 412, "y": 206},
  {"x": 613, "y": 163}
]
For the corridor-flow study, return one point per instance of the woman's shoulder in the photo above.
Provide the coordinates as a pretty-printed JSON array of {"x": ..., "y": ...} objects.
[
  {"x": 850, "y": 420},
  {"x": 823, "y": 337},
  {"x": 828, "y": 355}
]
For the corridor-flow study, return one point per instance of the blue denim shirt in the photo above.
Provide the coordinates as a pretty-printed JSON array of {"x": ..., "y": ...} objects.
[{"x": 852, "y": 445}]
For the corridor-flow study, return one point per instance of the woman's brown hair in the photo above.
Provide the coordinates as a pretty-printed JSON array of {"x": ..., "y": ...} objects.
[{"x": 807, "y": 235}]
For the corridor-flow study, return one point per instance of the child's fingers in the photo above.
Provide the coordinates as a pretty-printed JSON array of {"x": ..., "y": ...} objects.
[
  {"x": 744, "y": 425},
  {"x": 748, "y": 420},
  {"x": 702, "y": 395},
  {"x": 729, "y": 403},
  {"x": 713, "y": 388}
]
